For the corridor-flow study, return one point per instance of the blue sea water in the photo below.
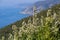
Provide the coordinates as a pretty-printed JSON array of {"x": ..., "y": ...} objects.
[{"x": 10, "y": 15}]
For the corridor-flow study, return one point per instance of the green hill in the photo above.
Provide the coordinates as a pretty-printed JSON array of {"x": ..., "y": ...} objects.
[{"x": 8, "y": 29}]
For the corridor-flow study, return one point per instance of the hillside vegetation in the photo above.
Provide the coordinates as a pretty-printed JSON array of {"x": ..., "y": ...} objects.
[{"x": 42, "y": 26}]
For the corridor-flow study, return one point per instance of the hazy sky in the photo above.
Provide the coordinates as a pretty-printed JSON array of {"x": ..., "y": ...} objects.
[{"x": 15, "y": 2}]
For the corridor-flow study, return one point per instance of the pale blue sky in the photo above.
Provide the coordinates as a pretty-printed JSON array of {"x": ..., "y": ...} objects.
[{"x": 5, "y": 3}]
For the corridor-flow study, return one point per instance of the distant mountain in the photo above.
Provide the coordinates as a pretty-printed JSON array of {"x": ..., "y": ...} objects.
[{"x": 40, "y": 5}]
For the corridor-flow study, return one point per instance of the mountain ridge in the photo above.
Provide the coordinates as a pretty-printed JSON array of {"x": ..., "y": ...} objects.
[{"x": 41, "y": 5}]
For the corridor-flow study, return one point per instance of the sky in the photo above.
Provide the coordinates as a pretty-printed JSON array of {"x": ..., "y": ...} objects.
[
  {"x": 9, "y": 10},
  {"x": 9, "y": 3}
]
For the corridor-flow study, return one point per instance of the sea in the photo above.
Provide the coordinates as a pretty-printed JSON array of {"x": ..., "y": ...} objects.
[{"x": 10, "y": 15}]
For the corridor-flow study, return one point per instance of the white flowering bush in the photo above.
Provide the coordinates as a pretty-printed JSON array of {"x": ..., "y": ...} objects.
[{"x": 49, "y": 29}]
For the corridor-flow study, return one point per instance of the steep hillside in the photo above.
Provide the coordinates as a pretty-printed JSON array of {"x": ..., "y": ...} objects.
[{"x": 7, "y": 29}]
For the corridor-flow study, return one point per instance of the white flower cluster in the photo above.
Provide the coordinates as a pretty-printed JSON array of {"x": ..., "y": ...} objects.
[{"x": 32, "y": 31}]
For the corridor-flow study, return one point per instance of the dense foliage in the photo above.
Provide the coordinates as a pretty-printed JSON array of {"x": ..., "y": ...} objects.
[{"x": 42, "y": 26}]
